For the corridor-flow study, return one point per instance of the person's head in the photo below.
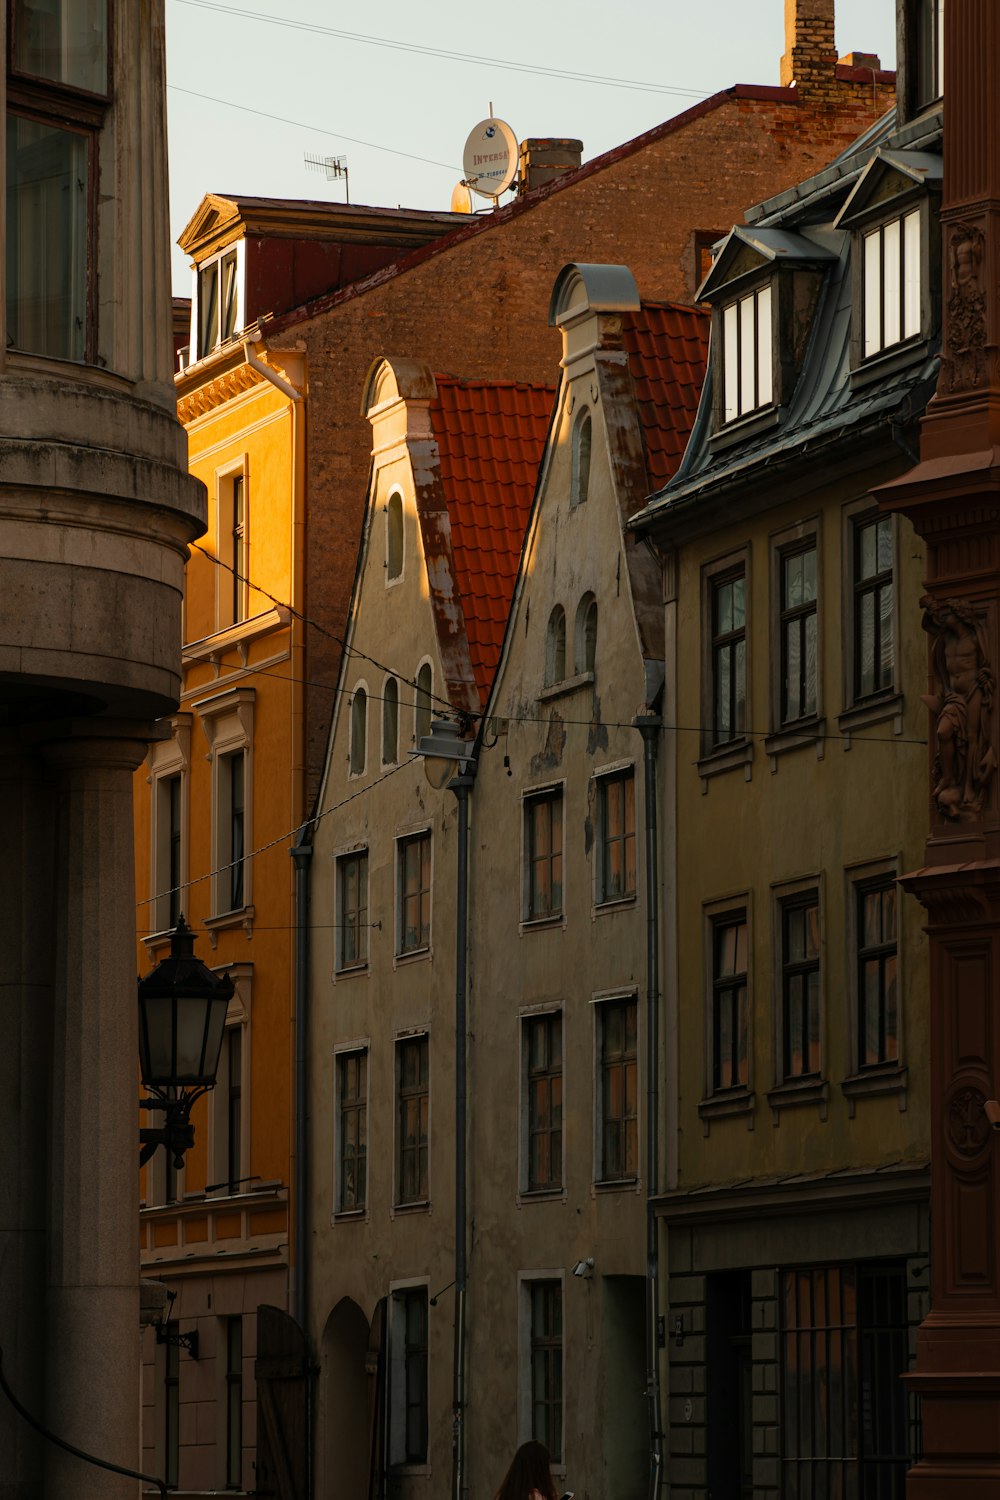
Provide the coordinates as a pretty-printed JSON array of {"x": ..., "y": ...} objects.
[{"x": 530, "y": 1470}]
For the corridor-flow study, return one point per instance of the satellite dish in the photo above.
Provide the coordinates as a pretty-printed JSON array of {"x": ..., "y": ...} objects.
[
  {"x": 490, "y": 158},
  {"x": 461, "y": 199}
]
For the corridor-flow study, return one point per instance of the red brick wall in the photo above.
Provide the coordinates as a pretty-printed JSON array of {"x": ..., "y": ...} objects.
[{"x": 480, "y": 307}]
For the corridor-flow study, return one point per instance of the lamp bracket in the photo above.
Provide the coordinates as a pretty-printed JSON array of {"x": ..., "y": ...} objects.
[{"x": 188, "y": 1341}]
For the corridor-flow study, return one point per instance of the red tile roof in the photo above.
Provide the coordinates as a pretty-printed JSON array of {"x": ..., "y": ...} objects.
[
  {"x": 491, "y": 436},
  {"x": 667, "y": 347}
]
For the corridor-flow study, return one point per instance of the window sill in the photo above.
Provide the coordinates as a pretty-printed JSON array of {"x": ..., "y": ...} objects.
[
  {"x": 349, "y": 1216},
  {"x": 411, "y": 956},
  {"x": 567, "y": 686},
  {"x": 349, "y": 970},
  {"x": 614, "y": 903},
  {"x": 555, "y": 1194},
  {"x": 224, "y": 921},
  {"x": 616, "y": 1185},
  {"x": 889, "y": 1078},
  {"x": 236, "y": 635},
  {"x": 870, "y": 711},
  {"x": 744, "y": 427},
  {"x": 415, "y": 1471},
  {"x": 727, "y": 1102},
  {"x": 726, "y": 758},
  {"x": 421, "y": 1207},
  {"x": 535, "y": 924},
  {"x": 798, "y": 1091},
  {"x": 888, "y": 362},
  {"x": 803, "y": 732}
]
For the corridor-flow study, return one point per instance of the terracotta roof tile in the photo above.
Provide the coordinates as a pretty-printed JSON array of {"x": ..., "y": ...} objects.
[
  {"x": 491, "y": 437},
  {"x": 667, "y": 347}
]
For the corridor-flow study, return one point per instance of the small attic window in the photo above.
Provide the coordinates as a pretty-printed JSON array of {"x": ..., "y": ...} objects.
[
  {"x": 747, "y": 355},
  {"x": 580, "y": 480},
  {"x": 891, "y": 260},
  {"x": 394, "y": 537},
  {"x": 217, "y": 301}
]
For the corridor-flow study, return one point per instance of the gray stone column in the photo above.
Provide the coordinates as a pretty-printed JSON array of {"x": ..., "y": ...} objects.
[
  {"x": 26, "y": 917},
  {"x": 93, "y": 1244}
]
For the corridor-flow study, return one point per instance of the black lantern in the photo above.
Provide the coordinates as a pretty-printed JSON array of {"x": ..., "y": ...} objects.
[{"x": 182, "y": 1018}]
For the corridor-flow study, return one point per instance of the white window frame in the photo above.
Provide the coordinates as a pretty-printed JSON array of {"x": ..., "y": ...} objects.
[
  {"x": 227, "y": 720},
  {"x": 526, "y": 1015},
  {"x": 396, "y": 1423},
  {"x": 203, "y": 266},
  {"x": 230, "y": 612},
  {"x": 752, "y": 371},
  {"x": 525, "y": 1280},
  {"x": 167, "y": 759},
  {"x": 906, "y": 250},
  {"x": 349, "y": 851},
  {"x": 603, "y": 1184},
  {"x": 237, "y": 1017},
  {"x": 349, "y": 1049}
]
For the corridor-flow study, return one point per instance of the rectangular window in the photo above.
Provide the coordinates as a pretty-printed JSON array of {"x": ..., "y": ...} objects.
[
  {"x": 616, "y": 815},
  {"x": 61, "y": 41},
  {"x": 543, "y": 854},
  {"x": 799, "y": 632},
  {"x": 892, "y": 292},
  {"x": 928, "y": 16},
  {"x": 415, "y": 893},
  {"x": 408, "y": 1376},
  {"x": 728, "y": 628},
  {"x": 173, "y": 790},
  {"x": 546, "y": 1365},
  {"x": 352, "y": 1131},
  {"x": 218, "y": 302},
  {"x": 878, "y": 995},
  {"x": 844, "y": 1344},
  {"x": 874, "y": 657},
  {"x": 352, "y": 910},
  {"x": 171, "y": 1404},
  {"x": 543, "y": 1079},
  {"x": 412, "y": 1119},
  {"x": 234, "y": 1106},
  {"x": 232, "y": 775},
  {"x": 747, "y": 364},
  {"x": 730, "y": 1014},
  {"x": 619, "y": 1142},
  {"x": 800, "y": 996},
  {"x": 234, "y": 1403},
  {"x": 48, "y": 238}
]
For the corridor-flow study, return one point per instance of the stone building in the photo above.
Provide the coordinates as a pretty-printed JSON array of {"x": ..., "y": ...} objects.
[{"x": 96, "y": 513}]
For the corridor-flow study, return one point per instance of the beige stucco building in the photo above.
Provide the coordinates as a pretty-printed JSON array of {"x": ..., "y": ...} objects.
[{"x": 96, "y": 511}]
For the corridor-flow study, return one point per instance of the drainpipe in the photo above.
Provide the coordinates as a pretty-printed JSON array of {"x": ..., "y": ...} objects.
[
  {"x": 649, "y": 726},
  {"x": 301, "y": 853},
  {"x": 283, "y": 385},
  {"x": 461, "y": 785}
]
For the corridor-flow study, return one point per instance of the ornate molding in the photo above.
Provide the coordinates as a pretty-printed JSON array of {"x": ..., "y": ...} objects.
[
  {"x": 964, "y": 759},
  {"x": 967, "y": 1126},
  {"x": 217, "y": 392},
  {"x": 964, "y": 354}
]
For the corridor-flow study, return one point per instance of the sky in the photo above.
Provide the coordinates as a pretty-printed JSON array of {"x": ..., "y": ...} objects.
[{"x": 253, "y": 86}]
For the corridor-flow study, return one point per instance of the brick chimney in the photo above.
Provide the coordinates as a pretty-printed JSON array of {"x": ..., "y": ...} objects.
[
  {"x": 810, "y": 59},
  {"x": 541, "y": 160}
]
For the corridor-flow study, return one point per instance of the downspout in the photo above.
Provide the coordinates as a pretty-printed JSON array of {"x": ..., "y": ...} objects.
[
  {"x": 649, "y": 726},
  {"x": 283, "y": 385},
  {"x": 461, "y": 785},
  {"x": 301, "y": 853}
]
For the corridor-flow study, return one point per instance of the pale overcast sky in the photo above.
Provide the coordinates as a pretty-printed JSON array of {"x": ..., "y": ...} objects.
[{"x": 339, "y": 95}]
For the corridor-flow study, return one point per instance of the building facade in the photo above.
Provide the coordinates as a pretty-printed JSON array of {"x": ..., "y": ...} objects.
[{"x": 96, "y": 514}]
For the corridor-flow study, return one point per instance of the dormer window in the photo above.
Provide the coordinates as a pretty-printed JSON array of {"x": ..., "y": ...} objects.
[
  {"x": 747, "y": 342},
  {"x": 892, "y": 283},
  {"x": 928, "y": 54},
  {"x": 217, "y": 301}
]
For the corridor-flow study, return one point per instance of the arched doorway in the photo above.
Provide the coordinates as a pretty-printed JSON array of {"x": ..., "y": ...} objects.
[{"x": 344, "y": 1415}]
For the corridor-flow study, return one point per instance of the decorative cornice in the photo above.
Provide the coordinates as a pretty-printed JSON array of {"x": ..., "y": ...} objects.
[
  {"x": 214, "y": 393},
  {"x": 904, "y": 1182}
]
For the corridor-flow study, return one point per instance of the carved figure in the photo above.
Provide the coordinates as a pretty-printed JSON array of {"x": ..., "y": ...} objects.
[
  {"x": 966, "y": 308},
  {"x": 964, "y": 759}
]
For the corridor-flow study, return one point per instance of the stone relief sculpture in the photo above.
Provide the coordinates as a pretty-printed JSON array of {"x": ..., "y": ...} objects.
[
  {"x": 966, "y": 308},
  {"x": 964, "y": 758}
]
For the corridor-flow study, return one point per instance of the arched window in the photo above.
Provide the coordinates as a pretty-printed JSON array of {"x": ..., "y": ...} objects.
[
  {"x": 390, "y": 722},
  {"x": 585, "y": 634},
  {"x": 580, "y": 484},
  {"x": 359, "y": 730},
  {"x": 555, "y": 647},
  {"x": 394, "y": 537},
  {"x": 422, "y": 713}
]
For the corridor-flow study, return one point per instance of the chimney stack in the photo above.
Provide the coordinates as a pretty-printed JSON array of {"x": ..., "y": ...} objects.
[
  {"x": 810, "y": 60},
  {"x": 539, "y": 161}
]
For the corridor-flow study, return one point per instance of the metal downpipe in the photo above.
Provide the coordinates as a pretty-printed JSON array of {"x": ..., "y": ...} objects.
[
  {"x": 301, "y": 854},
  {"x": 461, "y": 786}
]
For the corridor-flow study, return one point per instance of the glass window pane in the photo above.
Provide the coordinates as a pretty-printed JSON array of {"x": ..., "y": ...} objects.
[
  {"x": 63, "y": 40},
  {"x": 47, "y": 239},
  {"x": 873, "y": 293},
  {"x": 748, "y": 355},
  {"x": 764, "y": 360},
  {"x": 911, "y": 274},
  {"x": 730, "y": 376},
  {"x": 891, "y": 279}
]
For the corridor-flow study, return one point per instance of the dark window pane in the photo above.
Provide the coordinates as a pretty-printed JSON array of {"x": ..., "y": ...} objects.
[{"x": 47, "y": 238}]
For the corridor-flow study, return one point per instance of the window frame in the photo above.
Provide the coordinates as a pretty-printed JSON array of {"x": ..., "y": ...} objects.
[
  {"x": 220, "y": 1149},
  {"x": 527, "y": 1281},
  {"x": 390, "y": 700},
  {"x": 604, "y": 1180},
  {"x": 232, "y": 543},
  {"x": 552, "y": 794},
  {"x": 812, "y": 1088},
  {"x": 227, "y": 719},
  {"x": 400, "y": 1293},
  {"x": 402, "y": 1040},
  {"x": 602, "y": 779},
  {"x": 859, "y": 711},
  {"x": 424, "y": 837},
  {"x": 889, "y": 1077},
  {"x": 233, "y": 1385},
  {"x": 727, "y": 754},
  {"x": 359, "y": 1105},
  {"x": 354, "y": 854},
  {"x": 555, "y": 647},
  {"x": 788, "y": 734},
  {"x": 168, "y": 760},
  {"x": 71, "y": 93},
  {"x": 393, "y": 508},
  {"x": 740, "y": 1098},
  {"x": 585, "y": 639},
  {"x": 423, "y": 700},
  {"x": 764, "y": 329},
  {"x": 214, "y": 263},
  {"x": 908, "y": 348},
  {"x": 357, "y": 731},
  {"x": 580, "y": 471},
  {"x": 555, "y": 1186}
]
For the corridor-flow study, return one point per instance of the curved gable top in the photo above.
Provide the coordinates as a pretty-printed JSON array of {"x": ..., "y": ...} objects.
[
  {"x": 393, "y": 378},
  {"x": 581, "y": 288},
  {"x": 746, "y": 249}
]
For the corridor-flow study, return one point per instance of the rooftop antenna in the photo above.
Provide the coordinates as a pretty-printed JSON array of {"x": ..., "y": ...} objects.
[{"x": 334, "y": 168}]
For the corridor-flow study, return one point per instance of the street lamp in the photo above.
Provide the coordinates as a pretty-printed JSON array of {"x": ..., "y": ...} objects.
[
  {"x": 182, "y": 1017},
  {"x": 449, "y": 761}
]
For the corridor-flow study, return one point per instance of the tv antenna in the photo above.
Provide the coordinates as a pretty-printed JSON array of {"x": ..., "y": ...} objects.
[{"x": 333, "y": 167}]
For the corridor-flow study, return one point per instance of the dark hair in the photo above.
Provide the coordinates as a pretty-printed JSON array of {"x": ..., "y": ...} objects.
[{"x": 530, "y": 1470}]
